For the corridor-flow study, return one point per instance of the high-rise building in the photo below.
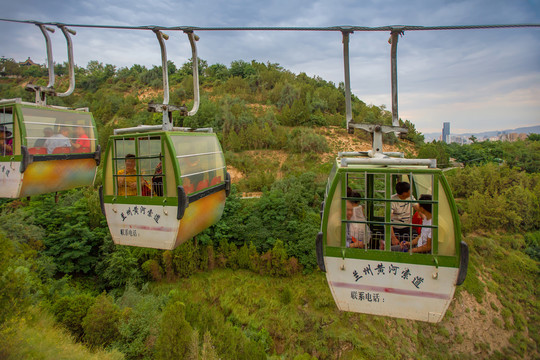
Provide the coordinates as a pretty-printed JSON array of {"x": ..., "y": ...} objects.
[{"x": 446, "y": 132}]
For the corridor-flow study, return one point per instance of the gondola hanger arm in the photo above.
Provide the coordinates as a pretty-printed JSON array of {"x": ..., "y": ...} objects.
[
  {"x": 71, "y": 66},
  {"x": 195, "y": 65}
]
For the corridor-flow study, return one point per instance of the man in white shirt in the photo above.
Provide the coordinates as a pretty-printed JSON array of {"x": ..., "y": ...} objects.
[
  {"x": 401, "y": 213},
  {"x": 59, "y": 140}
]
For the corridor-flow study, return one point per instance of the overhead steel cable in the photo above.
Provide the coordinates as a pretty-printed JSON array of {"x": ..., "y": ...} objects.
[{"x": 340, "y": 28}]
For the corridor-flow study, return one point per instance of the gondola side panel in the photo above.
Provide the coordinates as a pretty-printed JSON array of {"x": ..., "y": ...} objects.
[
  {"x": 410, "y": 291},
  {"x": 42, "y": 177},
  {"x": 143, "y": 225},
  {"x": 200, "y": 215},
  {"x": 10, "y": 179}
]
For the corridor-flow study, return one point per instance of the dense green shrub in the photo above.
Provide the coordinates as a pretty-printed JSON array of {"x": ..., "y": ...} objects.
[
  {"x": 306, "y": 141},
  {"x": 100, "y": 324},
  {"x": 229, "y": 341},
  {"x": 16, "y": 282},
  {"x": 175, "y": 335},
  {"x": 278, "y": 260},
  {"x": 493, "y": 197},
  {"x": 139, "y": 325},
  {"x": 533, "y": 245},
  {"x": 153, "y": 269},
  {"x": 72, "y": 235},
  {"x": 71, "y": 310},
  {"x": 524, "y": 155},
  {"x": 186, "y": 259},
  {"x": 120, "y": 268},
  {"x": 435, "y": 150}
]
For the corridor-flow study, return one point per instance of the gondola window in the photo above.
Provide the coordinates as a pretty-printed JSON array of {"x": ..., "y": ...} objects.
[
  {"x": 373, "y": 199},
  {"x": 7, "y": 143}
]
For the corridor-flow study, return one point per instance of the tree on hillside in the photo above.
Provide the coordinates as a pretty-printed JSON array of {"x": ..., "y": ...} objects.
[
  {"x": 101, "y": 322},
  {"x": 217, "y": 72},
  {"x": 10, "y": 67},
  {"x": 435, "y": 150},
  {"x": 187, "y": 68},
  {"x": 288, "y": 94},
  {"x": 242, "y": 69},
  {"x": 15, "y": 282},
  {"x": 412, "y": 134},
  {"x": 175, "y": 336}
]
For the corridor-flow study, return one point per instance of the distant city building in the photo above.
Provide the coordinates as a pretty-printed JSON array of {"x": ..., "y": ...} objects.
[
  {"x": 519, "y": 134},
  {"x": 446, "y": 133},
  {"x": 506, "y": 136},
  {"x": 458, "y": 139}
]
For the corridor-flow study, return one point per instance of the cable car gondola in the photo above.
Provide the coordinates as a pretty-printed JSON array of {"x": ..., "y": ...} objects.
[
  {"x": 366, "y": 272},
  {"x": 46, "y": 148},
  {"x": 174, "y": 188},
  {"x": 163, "y": 185}
]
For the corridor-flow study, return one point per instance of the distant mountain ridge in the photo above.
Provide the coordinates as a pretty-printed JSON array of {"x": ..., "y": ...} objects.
[{"x": 480, "y": 135}]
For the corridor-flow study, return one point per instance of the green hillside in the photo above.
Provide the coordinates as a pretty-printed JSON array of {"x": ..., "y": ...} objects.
[{"x": 249, "y": 287}]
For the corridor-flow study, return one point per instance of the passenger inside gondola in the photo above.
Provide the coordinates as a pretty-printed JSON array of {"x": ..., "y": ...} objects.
[
  {"x": 195, "y": 181},
  {"x": 401, "y": 213},
  {"x": 157, "y": 180},
  {"x": 82, "y": 144},
  {"x": 422, "y": 243},
  {"x": 357, "y": 233},
  {"x": 59, "y": 143},
  {"x": 6, "y": 142},
  {"x": 47, "y": 133},
  {"x": 127, "y": 179}
]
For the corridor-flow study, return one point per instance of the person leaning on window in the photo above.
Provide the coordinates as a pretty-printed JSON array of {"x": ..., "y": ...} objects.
[
  {"x": 422, "y": 243},
  {"x": 6, "y": 142},
  {"x": 127, "y": 179}
]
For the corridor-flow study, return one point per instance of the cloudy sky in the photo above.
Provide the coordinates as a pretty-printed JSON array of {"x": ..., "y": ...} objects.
[{"x": 476, "y": 79}]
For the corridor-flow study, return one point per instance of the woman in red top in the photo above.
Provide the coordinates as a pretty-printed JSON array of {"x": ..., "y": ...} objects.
[{"x": 82, "y": 144}]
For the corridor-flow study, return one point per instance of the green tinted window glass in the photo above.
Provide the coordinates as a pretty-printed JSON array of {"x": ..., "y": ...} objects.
[
  {"x": 333, "y": 237},
  {"x": 201, "y": 161},
  {"x": 446, "y": 234},
  {"x": 150, "y": 165},
  {"x": 126, "y": 183},
  {"x": 331, "y": 178},
  {"x": 6, "y": 131},
  {"x": 58, "y": 131}
]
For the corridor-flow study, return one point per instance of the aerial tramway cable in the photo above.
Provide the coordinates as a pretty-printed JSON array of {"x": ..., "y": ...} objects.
[{"x": 283, "y": 28}]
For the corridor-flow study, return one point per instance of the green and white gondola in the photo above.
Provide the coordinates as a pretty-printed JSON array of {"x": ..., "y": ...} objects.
[{"x": 374, "y": 279}]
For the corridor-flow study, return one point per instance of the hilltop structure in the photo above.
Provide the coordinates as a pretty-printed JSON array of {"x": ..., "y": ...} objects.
[{"x": 27, "y": 62}]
